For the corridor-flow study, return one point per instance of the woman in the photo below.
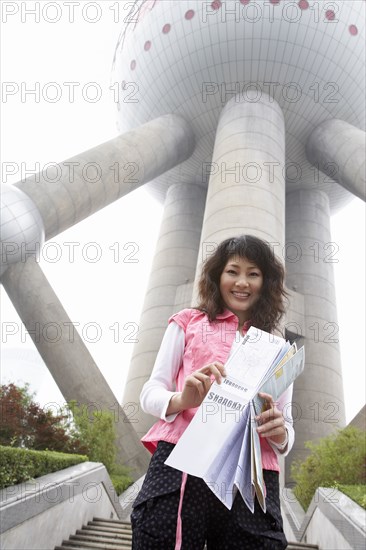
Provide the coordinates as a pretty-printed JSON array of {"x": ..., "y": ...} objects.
[{"x": 241, "y": 284}]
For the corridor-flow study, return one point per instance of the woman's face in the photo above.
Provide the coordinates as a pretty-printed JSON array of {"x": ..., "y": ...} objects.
[{"x": 241, "y": 284}]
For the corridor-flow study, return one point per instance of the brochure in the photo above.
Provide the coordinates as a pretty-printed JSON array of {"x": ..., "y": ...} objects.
[{"x": 221, "y": 444}]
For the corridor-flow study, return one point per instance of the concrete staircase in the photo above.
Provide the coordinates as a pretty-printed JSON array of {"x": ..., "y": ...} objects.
[
  {"x": 116, "y": 535},
  {"x": 108, "y": 534}
]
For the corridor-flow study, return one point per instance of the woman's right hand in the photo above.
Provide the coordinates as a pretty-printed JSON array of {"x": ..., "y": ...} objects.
[{"x": 195, "y": 388}]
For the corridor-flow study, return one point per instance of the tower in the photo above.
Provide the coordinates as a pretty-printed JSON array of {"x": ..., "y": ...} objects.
[{"x": 280, "y": 144}]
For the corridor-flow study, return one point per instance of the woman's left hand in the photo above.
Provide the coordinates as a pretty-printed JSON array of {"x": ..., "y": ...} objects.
[{"x": 271, "y": 421}]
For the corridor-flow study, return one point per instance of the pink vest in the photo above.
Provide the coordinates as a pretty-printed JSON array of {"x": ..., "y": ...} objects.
[{"x": 205, "y": 342}]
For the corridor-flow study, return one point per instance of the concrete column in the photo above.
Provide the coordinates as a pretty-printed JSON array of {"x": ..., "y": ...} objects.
[
  {"x": 246, "y": 191},
  {"x": 66, "y": 355},
  {"x": 338, "y": 149},
  {"x": 173, "y": 266},
  {"x": 76, "y": 188},
  {"x": 318, "y": 393}
]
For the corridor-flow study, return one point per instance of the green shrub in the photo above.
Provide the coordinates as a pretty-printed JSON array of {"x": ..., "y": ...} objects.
[
  {"x": 121, "y": 479},
  {"x": 95, "y": 431},
  {"x": 20, "y": 465},
  {"x": 336, "y": 459},
  {"x": 120, "y": 482}
]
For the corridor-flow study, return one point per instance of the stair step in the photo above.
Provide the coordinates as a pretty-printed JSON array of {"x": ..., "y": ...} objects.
[
  {"x": 88, "y": 537},
  {"x": 301, "y": 546},
  {"x": 92, "y": 545},
  {"x": 118, "y": 521},
  {"x": 111, "y": 528},
  {"x": 101, "y": 527},
  {"x": 105, "y": 529},
  {"x": 121, "y": 526},
  {"x": 105, "y": 534}
]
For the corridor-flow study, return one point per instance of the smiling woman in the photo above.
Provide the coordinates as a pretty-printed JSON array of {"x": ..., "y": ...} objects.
[{"x": 236, "y": 291}]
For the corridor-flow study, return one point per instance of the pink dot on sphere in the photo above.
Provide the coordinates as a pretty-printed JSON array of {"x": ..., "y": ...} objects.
[
  {"x": 330, "y": 15},
  {"x": 245, "y": 2},
  {"x": 303, "y": 4},
  {"x": 353, "y": 30},
  {"x": 189, "y": 14},
  {"x": 133, "y": 65},
  {"x": 166, "y": 28},
  {"x": 147, "y": 45},
  {"x": 274, "y": 1},
  {"x": 216, "y": 5}
]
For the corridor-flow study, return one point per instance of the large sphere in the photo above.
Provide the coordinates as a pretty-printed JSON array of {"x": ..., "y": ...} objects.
[
  {"x": 190, "y": 57},
  {"x": 22, "y": 231}
]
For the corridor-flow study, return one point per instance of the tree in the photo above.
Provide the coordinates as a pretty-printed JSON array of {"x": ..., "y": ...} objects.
[
  {"x": 95, "y": 430},
  {"x": 23, "y": 423},
  {"x": 338, "y": 459}
]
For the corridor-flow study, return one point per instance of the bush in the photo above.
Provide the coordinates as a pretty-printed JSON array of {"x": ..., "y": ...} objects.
[
  {"x": 20, "y": 465},
  {"x": 336, "y": 459},
  {"x": 120, "y": 482}
]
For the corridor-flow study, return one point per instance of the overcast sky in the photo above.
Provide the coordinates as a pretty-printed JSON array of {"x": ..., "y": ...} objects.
[{"x": 106, "y": 296}]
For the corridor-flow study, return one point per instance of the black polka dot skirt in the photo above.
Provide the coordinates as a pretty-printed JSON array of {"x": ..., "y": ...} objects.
[{"x": 163, "y": 503}]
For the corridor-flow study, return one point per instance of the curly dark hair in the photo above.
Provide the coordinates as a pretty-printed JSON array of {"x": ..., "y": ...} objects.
[{"x": 271, "y": 303}]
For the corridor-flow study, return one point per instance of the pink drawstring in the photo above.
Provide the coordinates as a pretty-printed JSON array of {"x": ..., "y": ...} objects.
[{"x": 178, "y": 534}]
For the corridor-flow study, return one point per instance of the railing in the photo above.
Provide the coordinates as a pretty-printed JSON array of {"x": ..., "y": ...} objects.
[{"x": 333, "y": 521}]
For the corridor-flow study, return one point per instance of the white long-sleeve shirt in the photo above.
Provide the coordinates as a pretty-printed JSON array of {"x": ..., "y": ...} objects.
[{"x": 159, "y": 389}]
